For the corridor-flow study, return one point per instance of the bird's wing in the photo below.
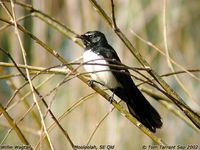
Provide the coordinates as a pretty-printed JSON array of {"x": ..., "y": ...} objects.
[
  {"x": 121, "y": 74},
  {"x": 136, "y": 102}
]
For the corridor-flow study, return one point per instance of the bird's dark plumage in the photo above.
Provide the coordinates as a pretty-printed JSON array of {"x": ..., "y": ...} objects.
[{"x": 97, "y": 45}]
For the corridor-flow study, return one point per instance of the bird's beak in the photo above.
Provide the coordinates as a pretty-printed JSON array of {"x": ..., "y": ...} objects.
[{"x": 79, "y": 36}]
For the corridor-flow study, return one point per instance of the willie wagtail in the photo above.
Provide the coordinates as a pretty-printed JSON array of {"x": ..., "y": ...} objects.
[{"x": 102, "y": 65}]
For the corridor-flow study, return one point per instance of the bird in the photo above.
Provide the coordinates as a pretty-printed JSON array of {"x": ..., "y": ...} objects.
[{"x": 102, "y": 63}]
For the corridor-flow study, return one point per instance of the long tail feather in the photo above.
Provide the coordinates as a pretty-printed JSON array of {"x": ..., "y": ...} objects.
[{"x": 140, "y": 108}]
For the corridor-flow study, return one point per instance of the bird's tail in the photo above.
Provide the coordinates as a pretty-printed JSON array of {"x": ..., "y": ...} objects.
[{"x": 140, "y": 108}]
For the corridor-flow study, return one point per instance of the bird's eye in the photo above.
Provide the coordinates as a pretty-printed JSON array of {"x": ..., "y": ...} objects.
[
  {"x": 89, "y": 35},
  {"x": 95, "y": 39}
]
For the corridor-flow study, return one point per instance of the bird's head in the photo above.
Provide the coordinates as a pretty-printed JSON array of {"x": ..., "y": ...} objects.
[{"x": 92, "y": 38}]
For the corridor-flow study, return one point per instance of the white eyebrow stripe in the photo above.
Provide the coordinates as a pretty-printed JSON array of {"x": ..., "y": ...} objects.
[{"x": 88, "y": 34}]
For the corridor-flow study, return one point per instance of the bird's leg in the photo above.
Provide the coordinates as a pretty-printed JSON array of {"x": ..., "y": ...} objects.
[
  {"x": 111, "y": 98},
  {"x": 90, "y": 83}
]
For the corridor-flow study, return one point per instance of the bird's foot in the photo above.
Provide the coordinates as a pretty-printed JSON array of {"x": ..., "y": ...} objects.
[
  {"x": 111, "y": 98},
  {"x": 90, "y": 83}
]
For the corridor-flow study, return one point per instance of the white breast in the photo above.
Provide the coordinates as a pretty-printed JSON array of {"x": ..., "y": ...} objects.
[{"x": 100, "y": 73}]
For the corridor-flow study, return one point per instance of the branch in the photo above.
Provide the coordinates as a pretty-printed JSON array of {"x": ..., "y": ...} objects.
[
  {"x": 167, "y": 104},
  {"x": 193, "y": 116},
  {"x": 97, "y": 89},
  {"x": 113, "y": 15},
  {"x": 14, "y": 126},
  {"x": 43, "y": 100}
]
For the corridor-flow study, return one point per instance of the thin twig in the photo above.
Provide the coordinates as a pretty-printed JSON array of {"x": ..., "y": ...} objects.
[
  {"x": 69, "y": 110},
  {"x": 127, "y": 44},
  {"x": 193, "y": 116},
  {"x": 98, "y": 125},
  {"x": 161, "y": 52},
  {"x": 28, "y": 78},
  {"x": 14, "y": 126},
  {"x": 105, "y": 95},
  {"x": 6, "y": 136},
  {"x": 113, "y": 15},
  {"x": 18, "y": 20},
  {"x": 64, "y": 71},
  {"x": 167, "y": 104},
  {"x": 168, "y": 56},
  {"x": 41, "y": 97}
]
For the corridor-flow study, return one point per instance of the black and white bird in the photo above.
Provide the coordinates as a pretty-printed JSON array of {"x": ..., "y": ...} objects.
[{"x": 102, "y": 60}]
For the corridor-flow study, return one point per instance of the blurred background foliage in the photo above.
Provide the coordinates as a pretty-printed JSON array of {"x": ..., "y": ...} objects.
[{"x": 144, "y": 17}]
